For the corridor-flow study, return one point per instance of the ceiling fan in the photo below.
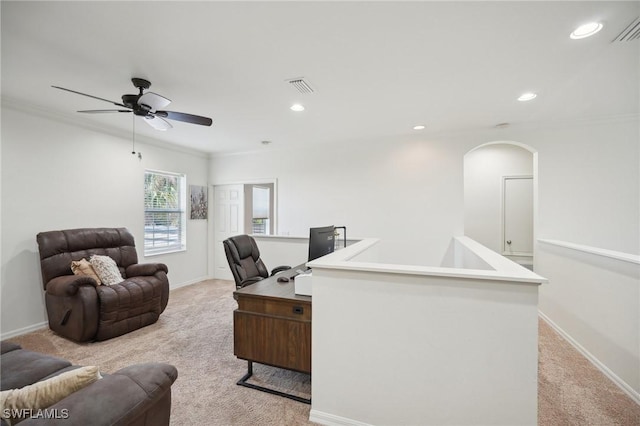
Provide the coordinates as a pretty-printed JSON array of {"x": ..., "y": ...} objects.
[{"x": 147, "y": 105}]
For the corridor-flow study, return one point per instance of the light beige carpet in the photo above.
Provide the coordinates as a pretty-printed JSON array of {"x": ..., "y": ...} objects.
[{"x": 195, "y": 334}]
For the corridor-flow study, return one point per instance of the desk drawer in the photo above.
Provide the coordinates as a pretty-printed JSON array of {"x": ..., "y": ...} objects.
[
  {"x": 293, "y": 309},
  {"x": 271, "y": 340}
]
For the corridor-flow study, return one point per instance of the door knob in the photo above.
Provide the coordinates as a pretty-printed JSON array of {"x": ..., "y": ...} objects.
[{"x": 508, "y": 241}]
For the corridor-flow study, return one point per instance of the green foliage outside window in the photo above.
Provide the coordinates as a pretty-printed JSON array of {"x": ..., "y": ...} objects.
[{"x": 164, "y": 212}]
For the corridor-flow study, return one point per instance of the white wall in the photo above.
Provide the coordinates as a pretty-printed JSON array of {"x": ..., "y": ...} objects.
[
  {"x": 56, "y": 175},
  {"x": 396, "y": 190},
  {"x": 589, "y": 178},
  {"x": 410, "y": 190},
  {"x": 281, "y": 251},
  {"x": 484, "y": 169}
]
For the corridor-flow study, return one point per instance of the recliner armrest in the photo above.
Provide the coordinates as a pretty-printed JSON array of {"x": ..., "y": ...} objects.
[
  {"x": 279, "y": 269},
  {"x": 145, "y": 269},
  {"x": 67, "y": 285},
  {"x": 118, "y": 398}
]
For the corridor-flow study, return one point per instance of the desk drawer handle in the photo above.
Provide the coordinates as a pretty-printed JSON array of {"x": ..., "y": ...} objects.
[{"x": 298, "y": 310}]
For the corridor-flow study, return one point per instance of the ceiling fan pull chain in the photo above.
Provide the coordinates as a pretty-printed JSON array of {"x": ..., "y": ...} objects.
[{"x": 133, "y": 145}]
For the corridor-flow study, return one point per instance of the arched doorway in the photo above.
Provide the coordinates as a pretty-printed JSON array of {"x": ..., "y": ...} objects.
[{"x": 500, "y": 198}]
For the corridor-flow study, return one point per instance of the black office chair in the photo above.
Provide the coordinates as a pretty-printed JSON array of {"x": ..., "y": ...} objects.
[{"x": 244, "y": 260}]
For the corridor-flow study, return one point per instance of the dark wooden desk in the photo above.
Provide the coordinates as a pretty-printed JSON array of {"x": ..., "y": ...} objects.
[{"x": 272, "y": 325}]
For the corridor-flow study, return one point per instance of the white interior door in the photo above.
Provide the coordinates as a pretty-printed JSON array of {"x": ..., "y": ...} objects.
[
  {"x": 517, "y": 236},
  {"x": 228, "y": 206}
]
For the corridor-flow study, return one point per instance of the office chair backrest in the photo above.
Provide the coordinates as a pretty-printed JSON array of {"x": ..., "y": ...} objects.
[{"x": 244, "y": 259}]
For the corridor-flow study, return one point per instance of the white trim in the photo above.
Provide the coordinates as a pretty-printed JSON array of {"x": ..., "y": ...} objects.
[
  {"x": 503, "y": 268},
  {"x": 332, "y": 420},
  {"x": 618, "y": 255},
  {"x": 25, "y": 330},
  {"x": 278, "y": 237},
  {"x": 160, "y": 253},
  {"x": 626, "y": 388},
  {"x": 505, "y": 142},
  {"x": 246, "y": 181}
]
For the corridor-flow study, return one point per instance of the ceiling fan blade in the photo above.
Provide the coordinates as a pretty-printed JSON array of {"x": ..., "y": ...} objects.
[
  {"x": 99, "y": 111},
  {"x": 153, "y": 101},
  {"x": 157, "y": 123},
  {"x": 90, "y": 96},
  {"x": 187, "y": 118}
]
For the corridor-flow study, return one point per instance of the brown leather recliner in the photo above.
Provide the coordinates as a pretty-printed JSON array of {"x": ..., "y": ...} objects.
[{"x": 80, "y": 309}]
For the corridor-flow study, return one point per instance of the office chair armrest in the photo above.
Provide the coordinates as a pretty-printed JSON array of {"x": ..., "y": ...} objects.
[
  {"x": 250, "y": 280},
  {"x": 279, "y": 269}
]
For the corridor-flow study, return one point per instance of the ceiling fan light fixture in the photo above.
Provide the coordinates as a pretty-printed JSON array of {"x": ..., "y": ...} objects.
[
  {"x": 527, "y": 96},
  {"x": 146, "y": 105},
  {"x": 157, "y": 123},
  {"x": 586, "y": 30}
]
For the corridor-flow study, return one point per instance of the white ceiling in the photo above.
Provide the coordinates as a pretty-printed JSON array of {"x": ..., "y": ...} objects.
[{"x": 378, "y": 68}]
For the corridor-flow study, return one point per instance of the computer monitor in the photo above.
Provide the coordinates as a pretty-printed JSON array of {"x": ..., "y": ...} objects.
[{"x": 321, "y": 241}]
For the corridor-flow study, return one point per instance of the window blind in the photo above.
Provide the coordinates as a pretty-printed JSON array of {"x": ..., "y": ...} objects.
[{"x": 164, "y": 212}]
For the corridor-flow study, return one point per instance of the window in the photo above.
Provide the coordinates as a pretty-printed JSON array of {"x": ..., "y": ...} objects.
[
  {"x": 261, "y": 206},
  {"x": 259, "y": 215},
  {"x": 164, "y": 212}
]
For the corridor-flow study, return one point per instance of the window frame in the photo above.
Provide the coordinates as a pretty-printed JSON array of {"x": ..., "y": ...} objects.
[{"x": 181, "y": 211}]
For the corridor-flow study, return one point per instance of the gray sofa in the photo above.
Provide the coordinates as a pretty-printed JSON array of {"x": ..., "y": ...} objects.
[{"x": 135, "y": 395}]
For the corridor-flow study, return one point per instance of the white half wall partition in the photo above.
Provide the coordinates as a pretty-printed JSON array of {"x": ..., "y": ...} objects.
[
  {"x": 593, "y": 301},
  {"x": 431, "y": 345}
]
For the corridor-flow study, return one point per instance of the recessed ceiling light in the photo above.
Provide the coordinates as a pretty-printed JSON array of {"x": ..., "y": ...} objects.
[
  {"x": 527, "y": 97},
  {"x": 586, "y": 30},
  {"x": 419, "y": 127},
  {"x": 297, "y": 107}
]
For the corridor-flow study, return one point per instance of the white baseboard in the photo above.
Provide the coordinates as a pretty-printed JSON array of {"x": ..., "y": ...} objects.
[
  {"x": 186, "y": 283},
  {"x": 24, "y": 330},
  {"x": 633, "y": 394},
  {"x": 45, "y": 324},
  {"x": 332, "y": 420}
]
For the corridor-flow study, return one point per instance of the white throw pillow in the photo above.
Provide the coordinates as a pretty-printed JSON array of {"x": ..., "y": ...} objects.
[
  {"x": 106, "y": 269},
  {"x": 45, "y": 393}
]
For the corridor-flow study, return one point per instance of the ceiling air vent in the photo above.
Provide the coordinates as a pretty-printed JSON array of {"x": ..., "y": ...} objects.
[
  {"x": 300, "y": 85},
  {"x": 632, "y": 32}
]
